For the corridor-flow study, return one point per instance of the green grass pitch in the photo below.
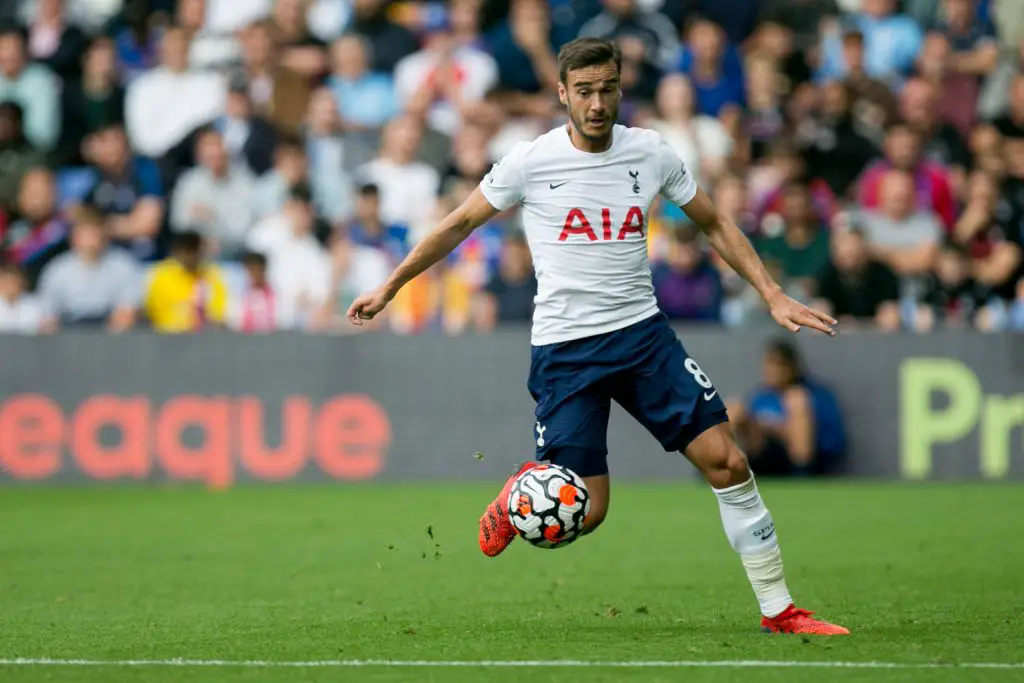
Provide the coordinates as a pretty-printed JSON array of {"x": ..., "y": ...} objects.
[{"x": 922, "y": 574}]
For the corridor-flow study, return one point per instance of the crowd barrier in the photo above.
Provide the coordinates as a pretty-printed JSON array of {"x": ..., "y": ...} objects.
[{"x": 225, "y": 409}]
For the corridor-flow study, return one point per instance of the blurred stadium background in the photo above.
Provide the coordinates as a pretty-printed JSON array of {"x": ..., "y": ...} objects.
[{"x": 193, "y": 191}]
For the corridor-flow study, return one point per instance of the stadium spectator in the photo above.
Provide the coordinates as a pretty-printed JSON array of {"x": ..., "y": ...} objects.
[
  {"x": 165, "y": 104},
  {"x": 408, "y": 188},
  {"x": 801, "y": 248},
  {"x": 20, "y": 311},
  {"x": 127, "y": 189},
  {"x": 355, "y": 268},
  {"x": 390, "y": 41},
  {"x": 804, "y": 18},
  {"x": 1016, "y": 312},
  {"x": 872, "y": 103},
  {"x": 792, "y": 424},
  {"x": 290, "y": 168},
  {"x": 1011, "y": 124},
  {"x": 91, "y": 102},
  {"x": 942, "y": 142},
  {"x": 764, "y": 120},
  {"x": 184, "y": 292},
  {"x": 443, "y": 82},
  {"x": 32, "y": 86},
  {"x": 891, "y": 42},
  {"x": 904, "y": 238},
  {"x": 17, "y": 155},
  {"x": 855, "y": 288},
  {"x": 216, "y": 198},
  {"x": 994, "y": 244},
  {"x": 36, "y": 231},
  {"x": 525, "y": 47},
  {"x": 508, "y": 296},
  {"x": 299, "y": 269},
  {"x": 207, "y": 48},
  {"x": 367, "y": 228},
  {"x": 54, "y": 41},
  {"x": 648, "y": 39},
  {"x": 300, "y": 50},
  {"x": 365, "y": 99},
  {"x": 277, "y": 93},
  {"x": 702, "y": 142},
  {"x": 255, "y": 309},
  {"x": 469, "y": 158},
  {"x": 716, "y": 71},
  {"x": 933, "y": 188},
  {"x": 950, "y": 297},
  {"x": 686, "y": 285},
  {"x": 93, "y": 284},
  {"x": 250, "y": 139},
  {"x": 835, "y": 151},
  {"x": 136, "y": 33},
  {"x": 325, "y": 149}
]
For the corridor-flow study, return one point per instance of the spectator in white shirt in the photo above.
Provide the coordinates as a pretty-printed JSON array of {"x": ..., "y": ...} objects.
[
  {"x": 166, "y": 104},
  {"x": 445, "y": 81},
  {"x": 20, "y": 313},
  {"x": 215, "y": 198},
  {"x": 408, "y": 188},
  {"x": 33, "y": 87},
  {"x": 290, "y": 168},
  {"x": 299, "y": 269}
]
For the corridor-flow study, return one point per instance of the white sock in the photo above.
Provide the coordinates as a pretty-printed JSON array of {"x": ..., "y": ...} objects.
[{"x": 751, "y": 532}]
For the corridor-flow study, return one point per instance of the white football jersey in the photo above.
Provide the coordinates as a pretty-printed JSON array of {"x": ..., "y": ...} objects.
[{"x": 585, "y": 218}]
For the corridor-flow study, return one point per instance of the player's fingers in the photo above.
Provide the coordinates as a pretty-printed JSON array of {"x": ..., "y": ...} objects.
[
  {"x": 355, "y": 312},
  {"x": 811, "y": 321},
  {"x": 824, "y": 317}
]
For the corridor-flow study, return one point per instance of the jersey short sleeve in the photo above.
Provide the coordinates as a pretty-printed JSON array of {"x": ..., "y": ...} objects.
[
  {"x": 677, "y": 183},
  {"x": 505, "y": 184}
]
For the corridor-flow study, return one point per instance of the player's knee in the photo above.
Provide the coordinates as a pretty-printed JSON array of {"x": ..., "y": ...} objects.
[{"x": 727, "y": 467}]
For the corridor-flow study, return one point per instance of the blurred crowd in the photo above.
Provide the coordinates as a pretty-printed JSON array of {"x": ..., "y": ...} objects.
[{"x": 255, "y": 164}]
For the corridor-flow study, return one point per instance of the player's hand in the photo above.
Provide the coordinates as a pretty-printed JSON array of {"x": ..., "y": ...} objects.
[
  {"x": 366, "y": 306},
  {"x": 793, "y": 315}
]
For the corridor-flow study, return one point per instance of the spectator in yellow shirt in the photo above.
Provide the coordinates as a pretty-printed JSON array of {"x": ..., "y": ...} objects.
[{"x": 184, "y": 294}]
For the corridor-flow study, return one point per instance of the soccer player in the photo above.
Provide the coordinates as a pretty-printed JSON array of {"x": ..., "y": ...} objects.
[{"x": 585, "y": 190}]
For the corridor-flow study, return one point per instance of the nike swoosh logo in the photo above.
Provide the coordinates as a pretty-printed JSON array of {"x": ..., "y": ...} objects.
[
  {"x": 555, "y": 187},
  {"x": 708, "y": 396},
  {"x": 768, "y": 535}
]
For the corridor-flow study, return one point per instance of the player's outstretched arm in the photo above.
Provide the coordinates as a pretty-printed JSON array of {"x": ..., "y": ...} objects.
[
  {"x": 441, "y": 241},
  {"x": 733, "y": 246}
]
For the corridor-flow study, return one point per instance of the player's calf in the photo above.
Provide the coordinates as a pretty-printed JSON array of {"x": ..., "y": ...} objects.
[{"x": 599, "y": 488}]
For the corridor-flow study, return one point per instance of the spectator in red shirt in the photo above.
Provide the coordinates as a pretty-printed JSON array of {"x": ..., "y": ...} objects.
[{"x": 934, "y": 191}]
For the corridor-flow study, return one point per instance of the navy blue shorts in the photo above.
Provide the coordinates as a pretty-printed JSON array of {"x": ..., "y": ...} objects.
[{"x": 643, "y": 367}]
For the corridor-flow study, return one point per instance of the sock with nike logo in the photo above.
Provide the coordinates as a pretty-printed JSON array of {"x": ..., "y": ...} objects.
[{"x": 751, "y": 532}]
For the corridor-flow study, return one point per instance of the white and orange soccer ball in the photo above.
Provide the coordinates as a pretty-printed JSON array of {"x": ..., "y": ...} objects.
[{"x": 548, "y": 505}]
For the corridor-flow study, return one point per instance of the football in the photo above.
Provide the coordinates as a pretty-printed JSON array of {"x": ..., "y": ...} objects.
[{"x": 548, "y": 505}]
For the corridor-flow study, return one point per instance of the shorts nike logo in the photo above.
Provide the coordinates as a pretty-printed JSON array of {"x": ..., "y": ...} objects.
[
  {"x": 555, "y": 187},
  {"x": 708, "y": 395}
]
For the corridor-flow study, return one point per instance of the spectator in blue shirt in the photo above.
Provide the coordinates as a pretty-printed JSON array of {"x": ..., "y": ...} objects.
[
  {"x": 526, "y": 45},
  {"x": 891, "y": 43},
  {"x": 365, "y": 99},
  {"x": 368, "y": 230},
  {"x": 128, "y": 189},
  {"x": 792, "y": 424},
  {"x": 715, "y": 69}
]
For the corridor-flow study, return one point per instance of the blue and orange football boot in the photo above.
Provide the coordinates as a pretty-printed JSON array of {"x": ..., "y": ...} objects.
[
  {"x": 496, "y": 530},
  {"x": 794, "y": 620}
]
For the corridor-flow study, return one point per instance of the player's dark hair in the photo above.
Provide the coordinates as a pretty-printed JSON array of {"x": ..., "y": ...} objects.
[{"x": 584, "y": 52}]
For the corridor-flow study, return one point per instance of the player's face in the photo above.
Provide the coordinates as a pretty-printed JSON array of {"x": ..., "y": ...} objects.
[{"x": 592, "y": 97}]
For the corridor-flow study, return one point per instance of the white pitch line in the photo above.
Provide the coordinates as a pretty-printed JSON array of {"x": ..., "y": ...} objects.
[{"x": 568, "y": 663}]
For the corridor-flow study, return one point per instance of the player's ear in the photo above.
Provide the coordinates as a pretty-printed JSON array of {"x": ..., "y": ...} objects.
[{"x": 563, "y": 96}]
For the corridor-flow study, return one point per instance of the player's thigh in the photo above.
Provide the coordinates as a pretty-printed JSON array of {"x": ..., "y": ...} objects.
[
  {"x": 668, "y": 392},
  {"x": 571, "y": 416}
]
